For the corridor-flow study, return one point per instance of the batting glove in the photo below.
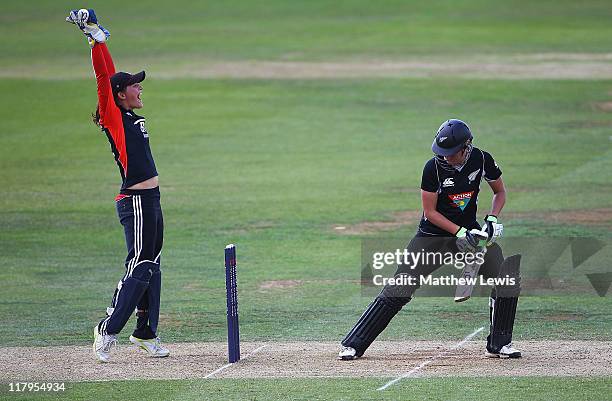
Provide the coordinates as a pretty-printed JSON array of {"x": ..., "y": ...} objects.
[
  {"x": 87, "y": 22},
  {"x": 471, "y": 240},
  {"x": 493, "y": 229}
]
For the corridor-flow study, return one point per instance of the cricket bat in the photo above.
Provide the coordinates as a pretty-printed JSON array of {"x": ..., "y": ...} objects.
[{"x": 469, "y": 272}]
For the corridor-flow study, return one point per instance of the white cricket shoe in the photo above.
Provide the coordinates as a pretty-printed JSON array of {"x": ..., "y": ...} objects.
[
  {"x": 102, "y": 345},
  {"x": 347, "y": 354},
  {"x": 507, "y": 351},
  {"x": 153, "y": 346}
]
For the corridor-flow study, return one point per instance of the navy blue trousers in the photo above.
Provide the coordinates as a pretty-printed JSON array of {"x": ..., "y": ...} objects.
[{"x": 139, "y": 289}]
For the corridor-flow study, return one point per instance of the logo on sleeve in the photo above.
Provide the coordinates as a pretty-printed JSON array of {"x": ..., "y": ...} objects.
[
  {"x": 448, "y": 183},
  {"x": 461, "y": 200}
]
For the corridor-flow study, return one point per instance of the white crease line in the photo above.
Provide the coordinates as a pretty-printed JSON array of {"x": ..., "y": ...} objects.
[
  {"x": 256, "y": 350},
  {"x": 423, "y": 364}
]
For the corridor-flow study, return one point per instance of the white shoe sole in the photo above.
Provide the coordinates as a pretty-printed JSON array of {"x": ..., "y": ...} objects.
[
  {"x": 503, "y": 356},
  {"x": 347, "y": 357},
  {"x": 138, "y": 343}
]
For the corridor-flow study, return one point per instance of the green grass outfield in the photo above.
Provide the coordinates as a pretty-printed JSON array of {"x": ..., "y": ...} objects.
[
  {"x": 170, "y": 33},
  {"x": 273, "y": 165},
  {"x": 231, "y": 172},
  {"x": 234, "y": 174}
]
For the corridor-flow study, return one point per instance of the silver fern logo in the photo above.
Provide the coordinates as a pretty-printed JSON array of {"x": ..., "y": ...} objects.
[{"x": 472, "y": 176}]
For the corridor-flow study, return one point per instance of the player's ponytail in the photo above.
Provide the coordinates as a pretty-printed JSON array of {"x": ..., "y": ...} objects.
[{"x": 95, "y": 116}]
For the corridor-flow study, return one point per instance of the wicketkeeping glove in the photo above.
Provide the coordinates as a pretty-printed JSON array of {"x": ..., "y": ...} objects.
[
  {"x": 87, "y": 22},
  {"x": 493, "y": 229},
  {"x": 471, "y": 241}
]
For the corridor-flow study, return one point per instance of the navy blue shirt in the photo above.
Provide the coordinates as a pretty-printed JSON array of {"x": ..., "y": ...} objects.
[
  {"x": 138, "y": 165},
  {"x": 125, "y": 130}
]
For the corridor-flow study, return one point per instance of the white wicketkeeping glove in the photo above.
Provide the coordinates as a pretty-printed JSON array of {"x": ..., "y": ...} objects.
[{"x": 87, "y": 22}]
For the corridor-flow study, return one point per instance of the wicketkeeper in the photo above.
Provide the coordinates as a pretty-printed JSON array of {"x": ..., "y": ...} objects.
[
  {"x": 449, "y": 192},
  {"x": 138, "y": 202}
]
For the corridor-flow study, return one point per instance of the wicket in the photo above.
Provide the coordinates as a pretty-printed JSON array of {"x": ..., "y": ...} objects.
[{"x": 233, "y": 332}]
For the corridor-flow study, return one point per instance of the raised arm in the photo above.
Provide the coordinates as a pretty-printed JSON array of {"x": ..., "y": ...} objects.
[
  {"x": 87, "y": 22},
  {"x": 110, "y": 115},
  {"x": 104, "y": 68},
  {"x": 110, "y": 66}
]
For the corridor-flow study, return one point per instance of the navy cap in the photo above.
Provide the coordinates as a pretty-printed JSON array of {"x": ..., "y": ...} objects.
[{"x": 122, "y": 80}]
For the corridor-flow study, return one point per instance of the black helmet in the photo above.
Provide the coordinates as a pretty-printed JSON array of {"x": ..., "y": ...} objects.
[{"x": 453, "y": 135}]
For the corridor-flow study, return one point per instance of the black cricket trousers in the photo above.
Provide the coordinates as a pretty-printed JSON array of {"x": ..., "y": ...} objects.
[
  {"x": 393, "y": 297},
  {"x": 140, "y": 214}
]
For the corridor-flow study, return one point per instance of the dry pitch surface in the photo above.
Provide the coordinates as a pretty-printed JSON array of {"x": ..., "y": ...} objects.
[{"x": 385, "y": 359}]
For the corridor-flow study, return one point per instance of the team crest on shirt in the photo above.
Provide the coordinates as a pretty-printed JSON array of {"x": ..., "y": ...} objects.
[
  {"x": 472, "y": 176},
  {"x": 143, "y": 129},
  {"x": 461, "y": 200},
  {"x": 141, "y": 123}
]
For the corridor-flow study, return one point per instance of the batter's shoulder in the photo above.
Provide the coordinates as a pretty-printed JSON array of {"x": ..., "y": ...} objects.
[
  {"x": 430, "y": 164},
  {"x": 430, "y": 181},
  {"x": 491, "y": 169},
  {"x": 482, "y": 152}
]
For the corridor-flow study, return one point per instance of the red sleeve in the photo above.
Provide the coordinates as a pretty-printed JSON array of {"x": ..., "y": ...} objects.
[
  {"x": 104, "y": 68},
  {"x": 110, "y": 67},
  {"x": 110, "y": 115}
]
